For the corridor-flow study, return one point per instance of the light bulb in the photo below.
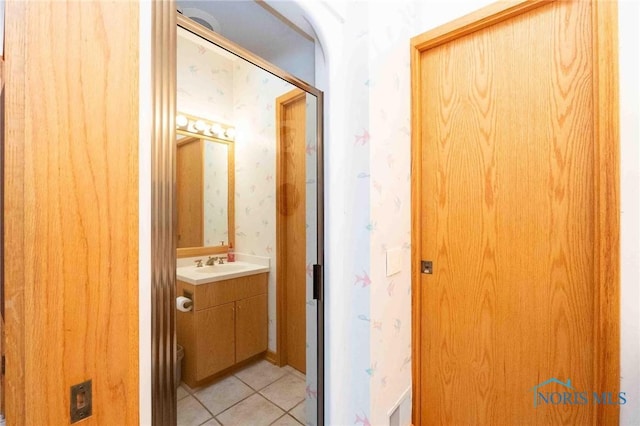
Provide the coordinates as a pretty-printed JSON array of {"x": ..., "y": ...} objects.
[
  {"x": 230, "y": 133},
  {"x": 200, "y": 125},
  {"x": 216, "y": 129},
  {"x": 182, "y": 121}
]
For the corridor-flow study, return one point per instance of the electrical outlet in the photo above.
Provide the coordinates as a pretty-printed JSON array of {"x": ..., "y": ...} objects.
[{"x": 81, "y": 401}]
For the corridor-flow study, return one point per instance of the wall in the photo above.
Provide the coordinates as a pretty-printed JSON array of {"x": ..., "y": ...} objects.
[
  {"x": 629, "y": 42},
  {"x": 144, "y": 213},
  {"x": 382, "y": 348},
  {"x": 204, "y": 79}
]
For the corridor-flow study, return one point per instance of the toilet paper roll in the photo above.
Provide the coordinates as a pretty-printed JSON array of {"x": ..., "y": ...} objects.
[{"x": 184, "y": 304}]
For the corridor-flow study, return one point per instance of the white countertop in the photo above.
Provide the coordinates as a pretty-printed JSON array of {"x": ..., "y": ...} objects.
[{"x": 186, "y": 270}]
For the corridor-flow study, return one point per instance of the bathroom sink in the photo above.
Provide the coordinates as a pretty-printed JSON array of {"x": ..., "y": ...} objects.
[
  {"x": 221, "y": 268},
  {"x": 218, "y": 272}
]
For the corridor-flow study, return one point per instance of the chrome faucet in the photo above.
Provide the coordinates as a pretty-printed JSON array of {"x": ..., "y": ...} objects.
[
  {"x": 199, "y": 263},
  {"x": 211, "y": 261}
]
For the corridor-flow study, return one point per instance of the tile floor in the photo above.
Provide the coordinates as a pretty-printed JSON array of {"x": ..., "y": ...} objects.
[{"x": 260, "y": 394}]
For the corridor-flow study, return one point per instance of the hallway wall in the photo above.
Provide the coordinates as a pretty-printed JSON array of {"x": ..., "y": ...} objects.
[{"x": 379, "y": 82}]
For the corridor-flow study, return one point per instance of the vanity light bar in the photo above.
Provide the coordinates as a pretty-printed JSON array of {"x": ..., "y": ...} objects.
[{"x": 204, "y": 127}]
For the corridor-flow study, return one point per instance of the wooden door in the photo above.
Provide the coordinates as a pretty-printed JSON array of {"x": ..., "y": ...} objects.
[
  {"x": 71, "y": 217},
  {"x": 515, "y": 203},
  {"x": 251, "y": 326},
  {"x": 291, "y": 229},
  {"x": 189, "y": 193}
]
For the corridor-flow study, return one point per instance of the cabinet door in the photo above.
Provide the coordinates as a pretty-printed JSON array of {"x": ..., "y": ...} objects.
[
  {"x": 215, "y": 340},
  {"x": 251, "y": 326}
]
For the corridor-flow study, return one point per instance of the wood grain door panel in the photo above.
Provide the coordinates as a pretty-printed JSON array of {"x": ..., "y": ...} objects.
[
  {"x": 215, "y": 339},
  {"x": 507, "y": 213},
  {"x": 291, "y": 227},
  {"x": 251, "y": 326}
]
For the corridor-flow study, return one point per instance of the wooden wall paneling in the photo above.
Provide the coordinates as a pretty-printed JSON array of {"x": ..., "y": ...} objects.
[{"x": 71, "y": 222}]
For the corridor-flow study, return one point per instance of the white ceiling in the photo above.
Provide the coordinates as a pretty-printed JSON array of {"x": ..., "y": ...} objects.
[{"x": 262, "y": 32}]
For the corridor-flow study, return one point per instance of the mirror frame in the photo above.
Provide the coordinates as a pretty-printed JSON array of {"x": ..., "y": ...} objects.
[
  {"x": 231, "y": 196},
  {"x": 164, "y": 23}
]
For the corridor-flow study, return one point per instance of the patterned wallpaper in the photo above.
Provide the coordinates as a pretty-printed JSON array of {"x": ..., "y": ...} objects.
[
  {"x": 204, "y": 80},
  {"x": 389, "y": 110}
]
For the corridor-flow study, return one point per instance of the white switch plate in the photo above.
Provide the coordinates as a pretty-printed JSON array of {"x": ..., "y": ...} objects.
[{"x": 394, "y": 260}]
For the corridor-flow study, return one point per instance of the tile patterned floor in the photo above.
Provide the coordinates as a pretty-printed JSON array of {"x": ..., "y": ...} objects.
[{"x": 260, "y": 394}]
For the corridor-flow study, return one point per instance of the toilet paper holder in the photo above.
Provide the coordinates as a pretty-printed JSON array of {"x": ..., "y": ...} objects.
[{"x": 184, "y": 303}]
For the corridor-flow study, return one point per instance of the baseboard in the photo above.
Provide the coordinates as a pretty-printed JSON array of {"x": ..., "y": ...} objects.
[{"x": 272, "y": 357}]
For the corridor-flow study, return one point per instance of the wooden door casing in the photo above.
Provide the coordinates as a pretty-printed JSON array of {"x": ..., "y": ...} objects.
[{"x": 515, "y": 196}]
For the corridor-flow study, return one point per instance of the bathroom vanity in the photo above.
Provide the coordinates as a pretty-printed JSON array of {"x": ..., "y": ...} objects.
[{"x": 227, "y": 324}]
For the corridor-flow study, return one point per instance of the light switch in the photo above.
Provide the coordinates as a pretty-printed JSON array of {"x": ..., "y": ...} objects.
[{"x": 394, "y": 260}]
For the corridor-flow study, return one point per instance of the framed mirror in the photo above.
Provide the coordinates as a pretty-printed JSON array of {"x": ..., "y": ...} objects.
[
  {"x": 225, "y": 354},
  {"x": 205, "y": 186}
]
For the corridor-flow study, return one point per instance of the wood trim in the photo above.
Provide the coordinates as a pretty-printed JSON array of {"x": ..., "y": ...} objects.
[
  {"x": 2, "y": 393},
  {"x": 416, "y": 241},
  {"x": 201, "y": 251},
  {"x": 281, "y": 294},
  {"x": 607, "y": 181},
  {"x": 163, "y": 212},
  {"x": 475, "y": 21},
  {"x": 607, "y": 163},
  {"x": 187, "y": 140},
  {"x": 231, "y": 198},
  {"x": 272, "y": 357}
]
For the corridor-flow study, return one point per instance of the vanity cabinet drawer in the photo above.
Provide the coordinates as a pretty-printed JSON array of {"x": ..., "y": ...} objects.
[{"x": 221, "y": 292}]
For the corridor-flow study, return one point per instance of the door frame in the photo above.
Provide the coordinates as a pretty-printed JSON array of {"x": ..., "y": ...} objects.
[
  {"x": 606, "y": 248},
  {"x": 281, "y": 355}
]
